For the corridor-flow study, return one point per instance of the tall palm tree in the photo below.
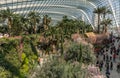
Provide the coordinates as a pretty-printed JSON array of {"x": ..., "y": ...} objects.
[
  {"x": 7, "y": 14},
  {"x": 34, "y": 19},
  {"x": 105, "y": 11},
  {"x": 105, "y": 23},
  {"x": 98, "y": 11}
]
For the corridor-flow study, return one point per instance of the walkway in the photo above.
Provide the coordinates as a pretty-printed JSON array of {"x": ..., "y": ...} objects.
[{"x": 113, "y": 73}]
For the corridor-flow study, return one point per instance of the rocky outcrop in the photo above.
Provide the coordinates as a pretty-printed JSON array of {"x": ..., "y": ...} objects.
[{"x": 96, "y": 38}]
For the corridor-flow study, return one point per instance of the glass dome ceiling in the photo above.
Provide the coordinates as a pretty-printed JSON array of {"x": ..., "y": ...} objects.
[{"x": 75, "y": 9}]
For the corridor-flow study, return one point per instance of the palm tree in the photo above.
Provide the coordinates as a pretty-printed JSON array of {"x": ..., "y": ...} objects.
[
  {"x": 34, "y": 19},
  {"x": 98, "y": 11},
  {"x": 105, "y": 11},
  {"x": 3, "y": 27},
  {"x": 17, "y": 25},
  {"x": 46, "y": 21},
  {"x": 7, "y": 14},
  {"x": 26, "y": 27},
  {"x": 105, "y": 23}
]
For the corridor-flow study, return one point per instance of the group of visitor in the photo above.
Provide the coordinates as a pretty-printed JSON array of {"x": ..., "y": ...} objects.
[{"x": 108, "y": 56}]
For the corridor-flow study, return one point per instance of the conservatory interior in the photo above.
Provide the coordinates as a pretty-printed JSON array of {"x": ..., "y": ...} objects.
[{"x": 59, "y": 38}]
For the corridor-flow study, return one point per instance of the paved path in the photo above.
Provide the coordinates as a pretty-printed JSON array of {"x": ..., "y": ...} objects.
[{"x": 113, "y": 73}]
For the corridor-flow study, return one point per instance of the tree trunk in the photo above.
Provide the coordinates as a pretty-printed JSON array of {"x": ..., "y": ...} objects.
[
  {"x": 104, "y": 25},
  {"x": 105, "y": 28},
  {"x": 9, "y": 23},
  {"x": 104, "y": 15},
  {"x": 9, "y": 26},
  {"x": 98, "y": 23},
  {"x": 34, "y": 26},
  {"x": 62, "y": 49}
]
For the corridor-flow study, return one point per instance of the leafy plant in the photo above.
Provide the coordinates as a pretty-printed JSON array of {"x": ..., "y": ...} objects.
[
  {"x": 80, "y": 53},
  {"x": 58, "y": 68},
  {"x": 10, "y": 64}
]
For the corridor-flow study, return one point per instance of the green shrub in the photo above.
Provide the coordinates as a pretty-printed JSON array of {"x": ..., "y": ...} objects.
[
  {"x": 58, "y": 68},
  {"x": 80, "y": 53},
  {"x": 11, "y": 64}
]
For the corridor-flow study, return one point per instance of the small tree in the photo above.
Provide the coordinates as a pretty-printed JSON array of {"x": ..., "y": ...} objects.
[
  {"x": 105, "y": 23},
  {"x": 46, "y": 21}
]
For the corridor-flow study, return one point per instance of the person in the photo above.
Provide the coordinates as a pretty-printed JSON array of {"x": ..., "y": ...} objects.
[
  {"x": 110, "y": 57},
  {"x": 111, "y": 65},
  {"x": 111, "y": 36},
  {"x": 117, "y": 51},
  {"x": 101, "y": 65},
  {"x": 107, "y": 66},
  {"x": 107, "y": 57},
  {"x": 97, "y": 63},
  {"x": 107, "y": 73},
  {"x": 111, "y": 51},
  {"x": 114, "y": 57},
  {"x": 118, "y": 68},
  {"x": 119, "y": 55},
  {"x": 104, "y": 57}
]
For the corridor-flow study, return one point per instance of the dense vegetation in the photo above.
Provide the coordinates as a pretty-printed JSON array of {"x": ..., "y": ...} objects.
[
  {"x": 72, "y": 65},
  {"x": 28, "y": 36},
  {"x": 16, "y": 58},
  {"x": 19, "y": 52},
  {"x": 31, "y": 24}
]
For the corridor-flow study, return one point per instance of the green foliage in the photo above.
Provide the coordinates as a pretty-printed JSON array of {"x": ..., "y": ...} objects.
[
  {"x": 58, "y": 68},
  {"x": 31, "y": 24},
  {"x": 17, "y": 25},
  {"x": 18, "y": 62},
  {"x": 70, "y": 26},
  {"x": 9, "y": 57},
  {"x": 11, "y": 64},
  {"x": 3, "y": 29},
  {"x": 4, "y": 73},
  {"x": 106, "y": 22},
  {"x": 80, "y": 53},
  {"x": 34, "y": 19}
]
